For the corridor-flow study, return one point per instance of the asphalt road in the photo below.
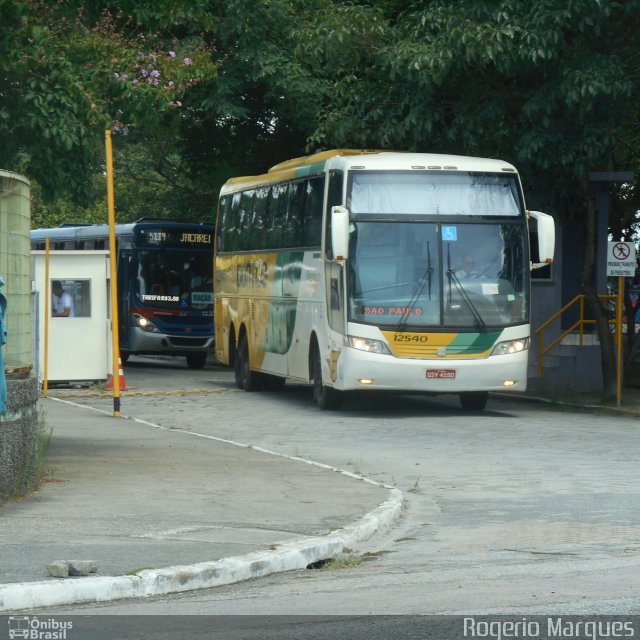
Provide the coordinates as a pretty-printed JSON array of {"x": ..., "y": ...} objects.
[{"x": 523, "y": 509}]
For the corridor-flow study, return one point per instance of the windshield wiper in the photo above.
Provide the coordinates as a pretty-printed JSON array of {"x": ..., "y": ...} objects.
[
  {"x": 424, "y": 279},
  {"x": 451, "y": 275}
]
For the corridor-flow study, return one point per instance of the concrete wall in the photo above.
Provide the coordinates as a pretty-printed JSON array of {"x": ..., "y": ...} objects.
[
  {"x": 15, "y": 267},
  {"x": 20, "y": 439},
  {"x": 20, "y": 429}
]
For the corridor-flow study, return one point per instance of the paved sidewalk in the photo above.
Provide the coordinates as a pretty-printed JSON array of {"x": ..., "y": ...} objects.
[
  {"x": 160, "y": 510},
  {"x": 587, "y": 401}
]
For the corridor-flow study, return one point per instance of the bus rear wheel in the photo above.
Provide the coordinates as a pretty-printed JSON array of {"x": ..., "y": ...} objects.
[
  {"x": 245, "y": 378},
  {"x": 196, "y": 360},
  {"x": 474, "y": 400},
  {"x": 325, "y": 398}
]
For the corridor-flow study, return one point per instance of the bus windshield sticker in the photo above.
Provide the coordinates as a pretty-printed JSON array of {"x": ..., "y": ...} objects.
[
  {"x": 449, "y": 234},
  {"x": 202, "y": 297},
  {"x": 157, "y": 298},
  {"x": 490, "y": 288}
]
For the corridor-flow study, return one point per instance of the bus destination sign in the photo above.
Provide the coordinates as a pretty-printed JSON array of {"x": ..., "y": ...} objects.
[{"x": 174, "y": 238}]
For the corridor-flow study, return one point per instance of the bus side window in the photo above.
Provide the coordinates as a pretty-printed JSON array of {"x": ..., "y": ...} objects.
[
  {"x": 334, "y": 199},
  {"x": 277, "y": 215},
  {"x": 295, "y": 211},
  {"x": 260, "y": 218},
  {"x": 313, "y": 212},
  {"x": 246, "y": 220},
  {"x": 222, "y": 221},
  {"x": 232, "y": 235}
]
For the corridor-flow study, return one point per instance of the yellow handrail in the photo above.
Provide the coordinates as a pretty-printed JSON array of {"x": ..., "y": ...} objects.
[{"x": 581, "y": 322}]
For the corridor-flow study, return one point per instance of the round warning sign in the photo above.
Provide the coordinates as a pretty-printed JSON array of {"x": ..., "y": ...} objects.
[{"x": 621, "y": 259}]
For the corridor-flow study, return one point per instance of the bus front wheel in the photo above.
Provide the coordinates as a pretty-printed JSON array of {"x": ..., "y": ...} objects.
[
  {"x": 325, "y": 397},
  {"x": 245, "y": 378},
  {"x": 196, "y": 360},
  {"x": 474, "y": 400}
]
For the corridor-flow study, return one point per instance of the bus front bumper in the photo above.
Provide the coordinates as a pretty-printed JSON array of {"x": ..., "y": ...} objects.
[
  {"x": 367, "y": 371},
  {"x": 160, "y": 343}
]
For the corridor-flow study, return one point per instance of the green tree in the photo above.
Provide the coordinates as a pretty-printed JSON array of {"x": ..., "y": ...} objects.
[{"x": 71, "y": 70}]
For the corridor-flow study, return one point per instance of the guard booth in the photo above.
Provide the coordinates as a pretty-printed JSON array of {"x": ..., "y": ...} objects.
[{"x": 78, "y": 346}]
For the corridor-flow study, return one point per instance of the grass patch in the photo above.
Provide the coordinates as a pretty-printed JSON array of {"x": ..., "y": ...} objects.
[
  {"x": 415, "y": 488},
  {"x": 341, "y": 561},
  {"x": 135, "y": 572}
]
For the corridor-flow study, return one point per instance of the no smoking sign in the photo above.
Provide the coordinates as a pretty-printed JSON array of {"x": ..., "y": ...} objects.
[{"x": 621, "y": 259}]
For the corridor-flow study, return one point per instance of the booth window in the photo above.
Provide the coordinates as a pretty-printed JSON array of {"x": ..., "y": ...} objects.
[{"x": 80, "y": 292}]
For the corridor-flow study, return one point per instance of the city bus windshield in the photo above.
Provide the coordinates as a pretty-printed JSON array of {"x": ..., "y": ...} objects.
[
  {"x": 434, "y": 193},
  {"x": 175, "y": 279},
  {"x": 440, "y": 275}
]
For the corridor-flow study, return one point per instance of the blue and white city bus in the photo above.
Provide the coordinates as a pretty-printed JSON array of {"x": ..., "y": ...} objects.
[{"x": 165, "y": 283}]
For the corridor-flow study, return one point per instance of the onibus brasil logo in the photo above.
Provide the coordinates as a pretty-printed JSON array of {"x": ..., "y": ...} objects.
[{"x": 33, "y": 628}]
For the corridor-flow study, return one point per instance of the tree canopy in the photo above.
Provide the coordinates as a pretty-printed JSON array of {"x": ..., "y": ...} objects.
[
  {"x": 208, "y": 89},
  {"x": 72, "y": 69}
]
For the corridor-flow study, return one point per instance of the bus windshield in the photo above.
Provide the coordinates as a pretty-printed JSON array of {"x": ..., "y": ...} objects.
[
  {"x": 176, "y": 279},
  {"x": 434, "y": 193},
  {"x": 438, "y": 275}
]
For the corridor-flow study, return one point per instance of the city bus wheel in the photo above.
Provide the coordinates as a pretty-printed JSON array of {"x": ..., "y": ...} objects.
[
  {"x": 474, "y": 400},
  {"x": 245, "y": 378},
  {"x": 325, "y": 397},
  {"x": 196, "y": 360}
]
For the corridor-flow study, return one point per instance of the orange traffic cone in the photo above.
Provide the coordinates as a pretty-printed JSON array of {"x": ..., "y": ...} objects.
[{"x": 123, "y": 382}]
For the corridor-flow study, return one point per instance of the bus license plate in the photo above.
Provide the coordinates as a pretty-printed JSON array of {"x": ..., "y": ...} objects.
[{"x": 441, "y": 373}]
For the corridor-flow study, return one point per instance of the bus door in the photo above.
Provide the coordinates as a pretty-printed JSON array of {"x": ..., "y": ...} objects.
[{"x": 127, "y": 270}]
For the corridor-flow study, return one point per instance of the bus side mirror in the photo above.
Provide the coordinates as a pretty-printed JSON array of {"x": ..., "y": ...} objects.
[
  {"x": 340, "y": 232},
  {"x": 546, "y": 238}
]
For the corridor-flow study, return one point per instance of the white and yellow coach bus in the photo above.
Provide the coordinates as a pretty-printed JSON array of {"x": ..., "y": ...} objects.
[{"x": 377, "y": 271}]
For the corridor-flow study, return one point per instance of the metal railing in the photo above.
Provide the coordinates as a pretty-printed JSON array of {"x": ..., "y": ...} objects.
[{"x": 579, "y": 325}]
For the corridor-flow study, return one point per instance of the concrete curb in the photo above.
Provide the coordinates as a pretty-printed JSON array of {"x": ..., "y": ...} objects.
[
  {"x": 287, "y": 556},
  {"x": 609, "y": 409},
  {"x": 152, "y": 582}
]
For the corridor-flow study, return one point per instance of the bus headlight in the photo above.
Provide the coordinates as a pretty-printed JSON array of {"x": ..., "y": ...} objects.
[
  {"x": 510, "y": 346},
  {"x": 367, "y": 344},
  {"x": 145, "y": 324}
]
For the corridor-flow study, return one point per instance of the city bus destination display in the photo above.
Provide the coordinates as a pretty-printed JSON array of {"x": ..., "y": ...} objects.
[{"x": 173, "y": 238}]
